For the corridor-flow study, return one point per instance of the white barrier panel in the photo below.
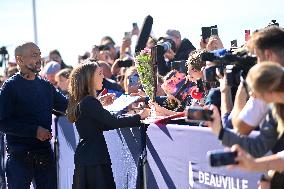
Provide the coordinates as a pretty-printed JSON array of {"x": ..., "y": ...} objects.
[
  {"x": 177, "y": 159},
  {"x": 67, "y": 141}
]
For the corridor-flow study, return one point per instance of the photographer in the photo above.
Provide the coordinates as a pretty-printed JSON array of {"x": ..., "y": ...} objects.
[
  {"x": 258, "y": 146},
  {"x": 263, "y": 80},
  {"x": 268, "y": 45},
  {"x": 219, "y": 64},
  {"x": 180, "y": 49}
]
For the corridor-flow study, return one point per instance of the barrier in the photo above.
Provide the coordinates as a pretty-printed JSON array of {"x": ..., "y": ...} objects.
[
  {"x": 124, "y": 147},
  {"x": 68, "y": 139},
  {"x": 176, "y": 157}
]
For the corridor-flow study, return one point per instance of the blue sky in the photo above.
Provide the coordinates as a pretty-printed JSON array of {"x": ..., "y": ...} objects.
[{"x": 73, "y": 26}]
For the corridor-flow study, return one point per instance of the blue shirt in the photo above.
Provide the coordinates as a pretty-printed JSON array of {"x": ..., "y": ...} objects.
[{"x": 25, "y": 105}]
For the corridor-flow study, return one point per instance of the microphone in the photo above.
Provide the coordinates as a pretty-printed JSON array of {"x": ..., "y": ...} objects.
[{"x": 144, "y": 34}]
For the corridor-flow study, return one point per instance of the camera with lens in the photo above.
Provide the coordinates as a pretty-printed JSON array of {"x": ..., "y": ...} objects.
[
  {"x": 236, "y": 65},
  {"x": 163, "y": 45},
  {"x": 166, "y": 44}
]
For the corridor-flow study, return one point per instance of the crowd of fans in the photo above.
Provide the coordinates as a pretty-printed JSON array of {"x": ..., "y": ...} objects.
[{"x": 254, "y": 103}]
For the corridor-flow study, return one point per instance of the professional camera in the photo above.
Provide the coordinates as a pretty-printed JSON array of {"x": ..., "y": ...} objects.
[
  {"x": 163, "y": 45},
  {"x": 167, "y": 44},
  {"x": 237, "y": 65}
]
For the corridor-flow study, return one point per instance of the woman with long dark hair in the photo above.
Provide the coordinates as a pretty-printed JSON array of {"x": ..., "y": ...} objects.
[{"x": 92, "y": 160}]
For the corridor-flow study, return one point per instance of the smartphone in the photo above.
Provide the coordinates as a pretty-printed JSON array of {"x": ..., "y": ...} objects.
[
  {"x": 134, "y": 25},
  {"x": 214, "y": 31},
  {"x": 133, "y": 79},
  {"x": 127, "y": 35},
  {"x": 198, "y": 114},
  {"x": 234, "y": 43},
  {"x": 247, "y": 35},
  {"x": 206, "y": 32},
  {"x": 125, "y": 63},
  {"x": 219, "y": 158}
]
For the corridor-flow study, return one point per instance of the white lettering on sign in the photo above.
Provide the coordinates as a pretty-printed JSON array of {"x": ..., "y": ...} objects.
[{"x": 220, "y": 181}]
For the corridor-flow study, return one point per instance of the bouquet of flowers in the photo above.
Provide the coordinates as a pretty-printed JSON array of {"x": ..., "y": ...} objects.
[{"x": 146, "y": 72}]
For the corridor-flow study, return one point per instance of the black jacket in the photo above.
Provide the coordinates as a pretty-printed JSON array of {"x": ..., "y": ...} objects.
[
  {"x": 185, "y": 48},
  {"x": 93, "y": 120}
]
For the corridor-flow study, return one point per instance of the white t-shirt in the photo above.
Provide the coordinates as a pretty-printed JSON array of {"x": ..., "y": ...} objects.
[
  {"x": 281, "y": 154},
  {"x": 254, "y": 112}
]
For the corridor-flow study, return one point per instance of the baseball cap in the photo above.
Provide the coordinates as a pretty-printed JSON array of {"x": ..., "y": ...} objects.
[
  {"x": 51, "y": 67},
  {"x": 170, "y": 34}
]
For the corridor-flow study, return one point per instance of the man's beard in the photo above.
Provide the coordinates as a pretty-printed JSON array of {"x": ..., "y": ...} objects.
[{"x": 35, "y": 68}]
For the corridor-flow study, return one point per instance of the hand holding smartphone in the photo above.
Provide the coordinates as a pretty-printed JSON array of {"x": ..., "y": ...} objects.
[
  {"x": 219, "y": 158},
  {"x": 134, "y": 25},
  {"x": 127, "y": 35},
  {"x": 209, "y": 31},
  {"x": 206, "y": 32},
  {"x": 198, "y": 114},
  {"x": 135, "y": 29}
]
